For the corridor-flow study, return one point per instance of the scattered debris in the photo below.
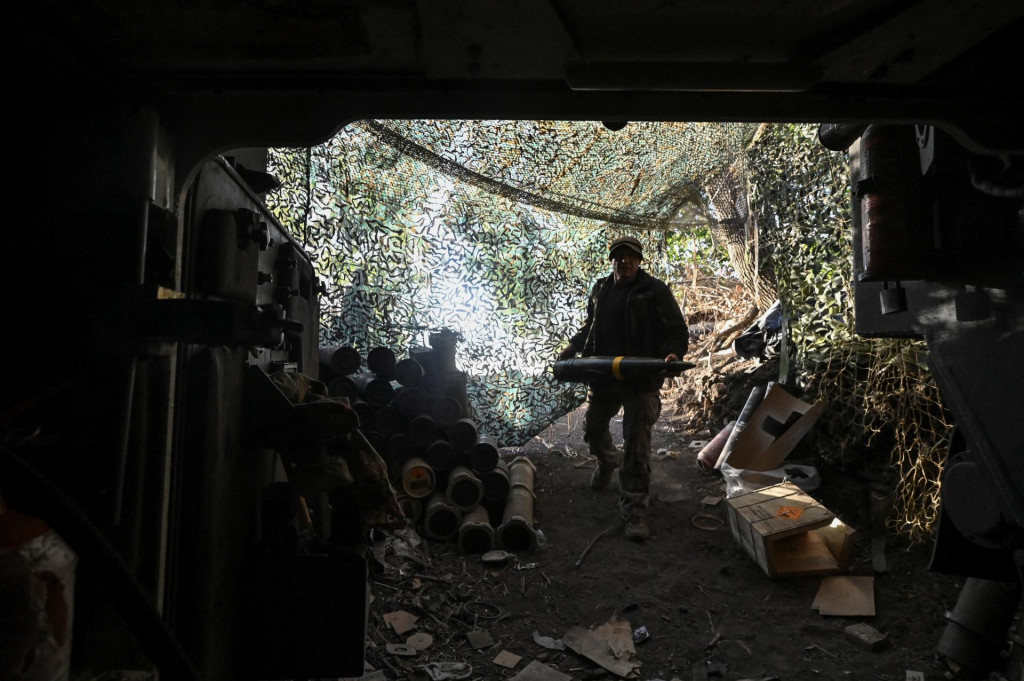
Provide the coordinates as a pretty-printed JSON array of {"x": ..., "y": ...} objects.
[
  {"x": 479, "y": 638},
  {"x": 496, "y": 557},
  {"x": 586, "y": 549},
  {"x": 867, "y": 637},
  {"x": 401, "y": 650},
  {"x": 914, "y": 676},
  {"x": 401, "y": 621},
  {"x": 706, "y": 521},
  {"x": 846, "y": 596},
  {"x": 711, "y": 500},
  {"x": 484, "y": 610},
  {"x": 815, "y": 646},
  {"x": 448, "y": 671},
  {"x": 610, "y": 646},
  {"x": 548, "y": 642},
  {"x": 640, "y": 634},
  {"x": 420, "y": 640},
  {"x": 538, "y": 671},
  {"x": 507, "y": 659}
]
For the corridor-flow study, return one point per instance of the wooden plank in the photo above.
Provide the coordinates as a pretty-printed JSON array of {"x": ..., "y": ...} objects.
[
  {"x": 846, "y": 596},
  {"x": 771, "y": 517},
  {"x": 838, "y": 537},
  {"x": 783, "y": 489},
  {"x": 801, "y": 554},
  {"x": 757, "y": 450},
  {"x": 734, "y": 526},
  {"x": 785, "y": 525},
  {"x": 761, "y": 555},
  {"x": 785, "y": 443}
]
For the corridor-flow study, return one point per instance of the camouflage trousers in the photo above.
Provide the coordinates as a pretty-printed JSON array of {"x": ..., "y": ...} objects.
[{"x": 640, "y": 410}]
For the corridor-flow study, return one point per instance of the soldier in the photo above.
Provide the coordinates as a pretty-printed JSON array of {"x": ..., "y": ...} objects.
[{"x": 629, "y": 313}]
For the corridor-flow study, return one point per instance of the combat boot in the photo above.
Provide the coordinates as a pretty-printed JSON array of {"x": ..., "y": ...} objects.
[
  {"x": 637, "y": 528},
  {"x": 602, "y": 476}
]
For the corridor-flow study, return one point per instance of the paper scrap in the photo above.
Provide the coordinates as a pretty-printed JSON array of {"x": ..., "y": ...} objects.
[
  {"x": 420, "y": 640},
  {"x": 401, "y": 649},
  {"x": 548, "y": 642},
  {"x": 507, "y": 659},
  {"x": 479, "y": 638},
  {"x": 610, "y": 646},
  {"x": 538, "y": 671},
  {"x": 401, "y": 621},
  {"x": 846, "y": 596}
]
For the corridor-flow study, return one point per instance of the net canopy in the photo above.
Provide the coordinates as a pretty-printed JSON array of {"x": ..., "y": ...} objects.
[{"x": 492, "y": 230}]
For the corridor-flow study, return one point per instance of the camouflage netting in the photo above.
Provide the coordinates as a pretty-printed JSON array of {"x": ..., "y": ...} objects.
[
  {"x": 883, "y": 408},
  {"x": 496, "y": 230},
  {"x": 492, "y": 229}
]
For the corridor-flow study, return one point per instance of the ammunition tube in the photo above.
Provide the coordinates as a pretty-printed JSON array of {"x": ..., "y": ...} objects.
[
  {"x": 417, "y": 478},
  {"x": 516, "y": 531},
  {"x": 496, "y": 484},
  {"x": 475, "y": 533},
  {"x": 484, "y": 455},
  {"x": 441, "y": 520},
  {"x": 464, "y": 489}
]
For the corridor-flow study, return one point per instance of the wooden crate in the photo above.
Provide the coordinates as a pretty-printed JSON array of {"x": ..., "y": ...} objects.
[{"x": 787, "y": 532}]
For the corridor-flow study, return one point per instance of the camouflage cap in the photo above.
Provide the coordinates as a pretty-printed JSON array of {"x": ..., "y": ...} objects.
[{"x": 627, "y": 242}]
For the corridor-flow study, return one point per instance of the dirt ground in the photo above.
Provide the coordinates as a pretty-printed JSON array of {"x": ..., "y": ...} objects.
[{"x": 708, "y": 609}]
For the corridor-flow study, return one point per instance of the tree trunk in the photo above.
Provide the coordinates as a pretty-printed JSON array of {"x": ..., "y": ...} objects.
[{"x": 732, "y": 225}]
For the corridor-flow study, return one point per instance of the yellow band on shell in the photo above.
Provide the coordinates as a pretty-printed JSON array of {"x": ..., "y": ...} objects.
[{"x": 616, "y": 372}]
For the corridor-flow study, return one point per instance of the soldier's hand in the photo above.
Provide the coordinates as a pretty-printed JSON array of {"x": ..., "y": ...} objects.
[
  {"x": 568, "y": 353},
  {"x": 667, "y": 373}
]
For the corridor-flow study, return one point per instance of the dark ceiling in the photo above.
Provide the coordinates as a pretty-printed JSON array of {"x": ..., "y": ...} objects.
[{"x": 319, "y": 63}]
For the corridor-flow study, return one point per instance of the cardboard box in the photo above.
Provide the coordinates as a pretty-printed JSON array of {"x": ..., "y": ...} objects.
[
  {"x": 775, "y": 428},
  {"x": 787, "y": 532}
]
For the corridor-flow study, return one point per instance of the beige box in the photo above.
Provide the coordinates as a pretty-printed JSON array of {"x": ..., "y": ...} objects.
[
  {"x": 787, "y": 532},
  {"x": 758, "y": 447}
]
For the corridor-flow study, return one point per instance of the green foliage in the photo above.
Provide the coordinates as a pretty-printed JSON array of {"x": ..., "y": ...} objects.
[{"x": 694, "y": 250}]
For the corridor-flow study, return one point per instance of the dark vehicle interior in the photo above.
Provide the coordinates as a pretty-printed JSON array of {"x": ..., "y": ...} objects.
[{"x": 144, "y": 301}]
